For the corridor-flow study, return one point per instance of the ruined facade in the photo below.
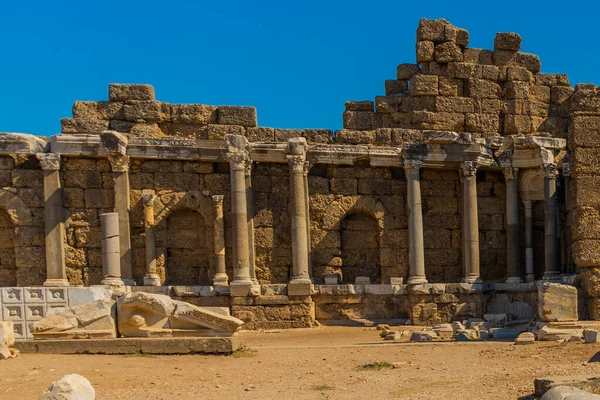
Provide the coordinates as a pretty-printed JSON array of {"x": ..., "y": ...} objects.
[{"x": 473, "y": 176}]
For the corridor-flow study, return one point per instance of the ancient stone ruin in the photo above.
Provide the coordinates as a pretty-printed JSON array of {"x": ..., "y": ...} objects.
[{"x": 472, "y": 178}]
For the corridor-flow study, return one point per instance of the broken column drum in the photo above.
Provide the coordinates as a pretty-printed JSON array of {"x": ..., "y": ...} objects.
[{"x": 111, "y": 257}]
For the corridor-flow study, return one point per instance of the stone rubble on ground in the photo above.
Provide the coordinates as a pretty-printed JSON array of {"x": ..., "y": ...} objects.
[
  {"x": 70, "y": 387},
  {"x": 7, "y": 341}
]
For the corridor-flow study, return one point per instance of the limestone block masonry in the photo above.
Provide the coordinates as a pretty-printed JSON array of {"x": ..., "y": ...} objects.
[{"x": 472, "y": 177}]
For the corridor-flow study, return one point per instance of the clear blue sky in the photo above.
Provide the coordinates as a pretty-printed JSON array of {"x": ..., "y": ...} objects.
[{"x": 297, "y": 62}]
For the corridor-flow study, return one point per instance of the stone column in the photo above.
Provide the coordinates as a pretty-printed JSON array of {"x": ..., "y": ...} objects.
[
  {"x": 471, "y": 223},
  {"x": 529, "y": 274},
  {"x": 239, "y": 210},
  {"x": 298, "y": 216},
  {"x": 551, "y": 268},
  {"x": 56, "y": 270},
  {"x": 111, "y": 257},
  {"x": 416, "y": 274},
  {"x": 151, "y": 278},
  {"x": 513, "y": 267},
  {"x": 120, "y": 168},
  {"x": 250, "y": 213},
  {"x": 307, "y": 166},
  {"x": 220, "y": 278}
]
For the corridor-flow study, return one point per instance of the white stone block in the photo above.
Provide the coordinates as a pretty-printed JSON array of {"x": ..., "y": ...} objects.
[
  {"x": 83, "y": 295},
  {"x": 12, "y": 295},
  {"x": 331, "y": 279},
  {"x": 57, "y": 295},
  {"x": 13, "y": 312},
  {"x": 362, "y": 280},
  {"x": 20, "y": 330},
  {"x": 395, "y": 280},
  {"x": 35, "y": 295},
  {"x": 34, "y": 312},
  {"x": 379, "y": 289}
]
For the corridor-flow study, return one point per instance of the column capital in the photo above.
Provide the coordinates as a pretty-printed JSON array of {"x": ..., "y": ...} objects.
[
  {"x": 296, "y": 163},
  {"x": 119, "y": 163},
  {"x": 148, "y": 197},
  {"x": 49, "y": 161},
  {"x": 412, "y": 166},
  {"x": 238, "y": 160},
  {"x": 217, "y": 199},
  {"x": 510, "y": 173},
  {"x": 469, "y": 169},
  {"x": 527, "y": 204},
  {"x": 307, "y": 166},
  {"x": 248, "y": 168},
  {"x": 550, "y": 170}
]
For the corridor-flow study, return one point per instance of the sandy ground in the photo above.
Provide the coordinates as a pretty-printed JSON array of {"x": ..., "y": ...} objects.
[{"x": 318, "y": 363}]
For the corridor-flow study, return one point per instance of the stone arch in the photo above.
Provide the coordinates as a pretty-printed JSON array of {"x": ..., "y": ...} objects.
[
  {"x": 335, "y": 230},
  {"x": 185, "y": 236},
  {"x": 531, "y": 184}
]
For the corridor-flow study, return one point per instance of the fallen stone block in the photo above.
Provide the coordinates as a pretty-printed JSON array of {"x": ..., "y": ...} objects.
[
  {"x": 143, "y": 314},
  {"x": 503, "y": 333},
  {"x": 568, "y": 393},
  {"x": 584, "y": 382},
  {"x": 525, "y": 338},
  {"x": 462, "y": 337},
  {"x": 85, "y": 321},
  {"x": 424, "y": 336},
  {"x": 591, "y": 336},
  {"x": 548, "y": 333},
  {"x": 70, "y": 387},
  {"x": 393, "y": 335},
  {"x": 557, "y": 302}
]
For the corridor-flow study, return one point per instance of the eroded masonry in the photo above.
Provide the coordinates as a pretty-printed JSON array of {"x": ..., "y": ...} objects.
[{"x": 473, "y": 176}]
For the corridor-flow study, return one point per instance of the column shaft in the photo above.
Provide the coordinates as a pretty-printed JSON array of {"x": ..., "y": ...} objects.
[
  {"x": 551, "y": 268},
  {"x": 415, "y": 224},
  {"x": 151, "y": 278},
  {"x": 529, "y": 274},
  {"x": 220, "y": 278},
  {"x": 111, "y": 258},
  {"x": 513, "y": 267},
  {"x": 250, "y": 211},
  {"x": 120, "y": 168},
  {"x": 471, "y": 233},
  {"x": 56, "y": 271},
  {"x": 298, "y": 216},
  {"x": 307, "y": 166},
  {"x": 239, "y": 210}
]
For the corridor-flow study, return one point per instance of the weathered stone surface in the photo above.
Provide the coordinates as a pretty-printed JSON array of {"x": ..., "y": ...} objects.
[
  {"x": 85, "y": 321},
  {"x": 151, "y": 315},
  {"x": 70, "y": 387},
  {"x": 557, "y": 302},
  {"x": 423, "y": 336},
  {"x": 583, "y": 382},
  {"x": 525, "y": 338},
  {"x": 122, "y": 92},
  {"x": 243, "y": 116},
  {"x": 507, "y": 41}
]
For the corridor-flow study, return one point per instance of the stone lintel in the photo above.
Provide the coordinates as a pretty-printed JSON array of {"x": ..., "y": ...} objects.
[{"x": 11, "y": 143}]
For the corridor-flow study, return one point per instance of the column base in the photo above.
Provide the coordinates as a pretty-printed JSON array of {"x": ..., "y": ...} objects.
[
  {"x": 129, "y": 282},
  {"x": 472, "y": 279},
  {"x": 57, "y": 282},
  {"x": 417, "y": 280},
  {"x": 112, "y": 281},
  {"x": 240, "y": 287},
  {"x": 151, "y": 280},
  {"x": 514, "y": 279},
  {"x": 529, "y": 278},
  {"x": 300, "y": 288},
  {"x": 551, "y": 276},
  {"x": 300, "y": 280},
  {"x": 221, "y": 280}
]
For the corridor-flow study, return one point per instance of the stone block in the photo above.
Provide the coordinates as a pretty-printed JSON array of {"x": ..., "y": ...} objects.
[
  {"x": 424, "y": 85},
  {"x": 141, "y": 111},
  {"x": 519, "y": 74},
  {"x": 507, "y": 41},
  {"x": 396, "y": 86},
  {"x": 83, "y": 125},
  {"x": 300, "y": 289},
  {"x": 558, "y": 94},
  {"x": 99, "y": 198},
  {"x": 448, "y": 52},
  {"x": 348, "y": 136},
  {"x": 504, "y": 333},
  {"x": 517, "y": 90},
  {"x": 591, "y": 336},
  {"x": 450, "y": 86},
  {"x": 423, "y": 336},
  {"x": 529, "y": 61},
  {"x": 196, "y": 114},
  {"x": 345, "y": 186},
  {"x": 586, "y": 160},
  {"x": 504, "y": 57},
  {"x": 236, "y": 115},
  {"x": 425, "y": 51},
  {"x": 359, "y": 105},
  {"x": 433, "y": 30},
  {"x": 584, "y": 131},
  {"x": 261, "y": 134},
  {"x": 454, "y": 104},
  {"x": 481, "y": 88},
  {"x": 483, "y": 123},
  {"x": 557, "y": 302},
  {"x": 123, "y": 92},
  {"x": 359, "y": 120},
  {"x": 96, "y": 109},
  {"x": 516, "y": 124},
  {"x": 83, "y": 295},
  {"x": 218, "y": 132}
]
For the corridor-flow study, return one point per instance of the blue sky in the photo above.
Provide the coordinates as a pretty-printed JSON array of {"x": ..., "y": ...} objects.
[{"x": 297, "y": 62}]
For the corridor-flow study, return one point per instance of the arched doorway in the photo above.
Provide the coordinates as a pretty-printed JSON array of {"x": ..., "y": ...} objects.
[
  {"x": 360, "y": 234},
  {"x": 187, "y": 250},
  {"x": 8, "y": 268}
]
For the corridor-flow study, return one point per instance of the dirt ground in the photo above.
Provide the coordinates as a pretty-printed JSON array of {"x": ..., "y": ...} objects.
[{"x": 321, "y": 363}]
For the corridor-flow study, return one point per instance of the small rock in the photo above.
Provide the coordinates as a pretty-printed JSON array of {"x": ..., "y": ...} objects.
[
  {"x": 591, "y": 336},
  {"x": 385, "y": 333},
  {"x": 424, "y": 336},
  {"x": 70, "y": 387},
  {"x": 383, "y": 327},
  {"x": 575, "y": 339},
  {"x": 462, "y": 337},
  {"x": 525, "y": 338},
  {"x": 393, "y": 335}
]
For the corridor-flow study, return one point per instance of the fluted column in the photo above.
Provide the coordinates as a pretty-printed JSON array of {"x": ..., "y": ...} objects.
[
  {"x": 416, "y": 274},
  {"x": 239, "y": 210},
  {"x": 296, "y": 160},
  {"x": 220, "y": 278},
  {"x": 250, "y": 211},
  {"x": 120, "y": 168},
  {"x": 56, "y": 271},
  {"x": 513, "y": 265},
  {"x": 551, "y": 267},
  {"x": 151, "y": 278},
  {"x": 470, "y": 223},
  {"x": 529, "y": 274}
]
